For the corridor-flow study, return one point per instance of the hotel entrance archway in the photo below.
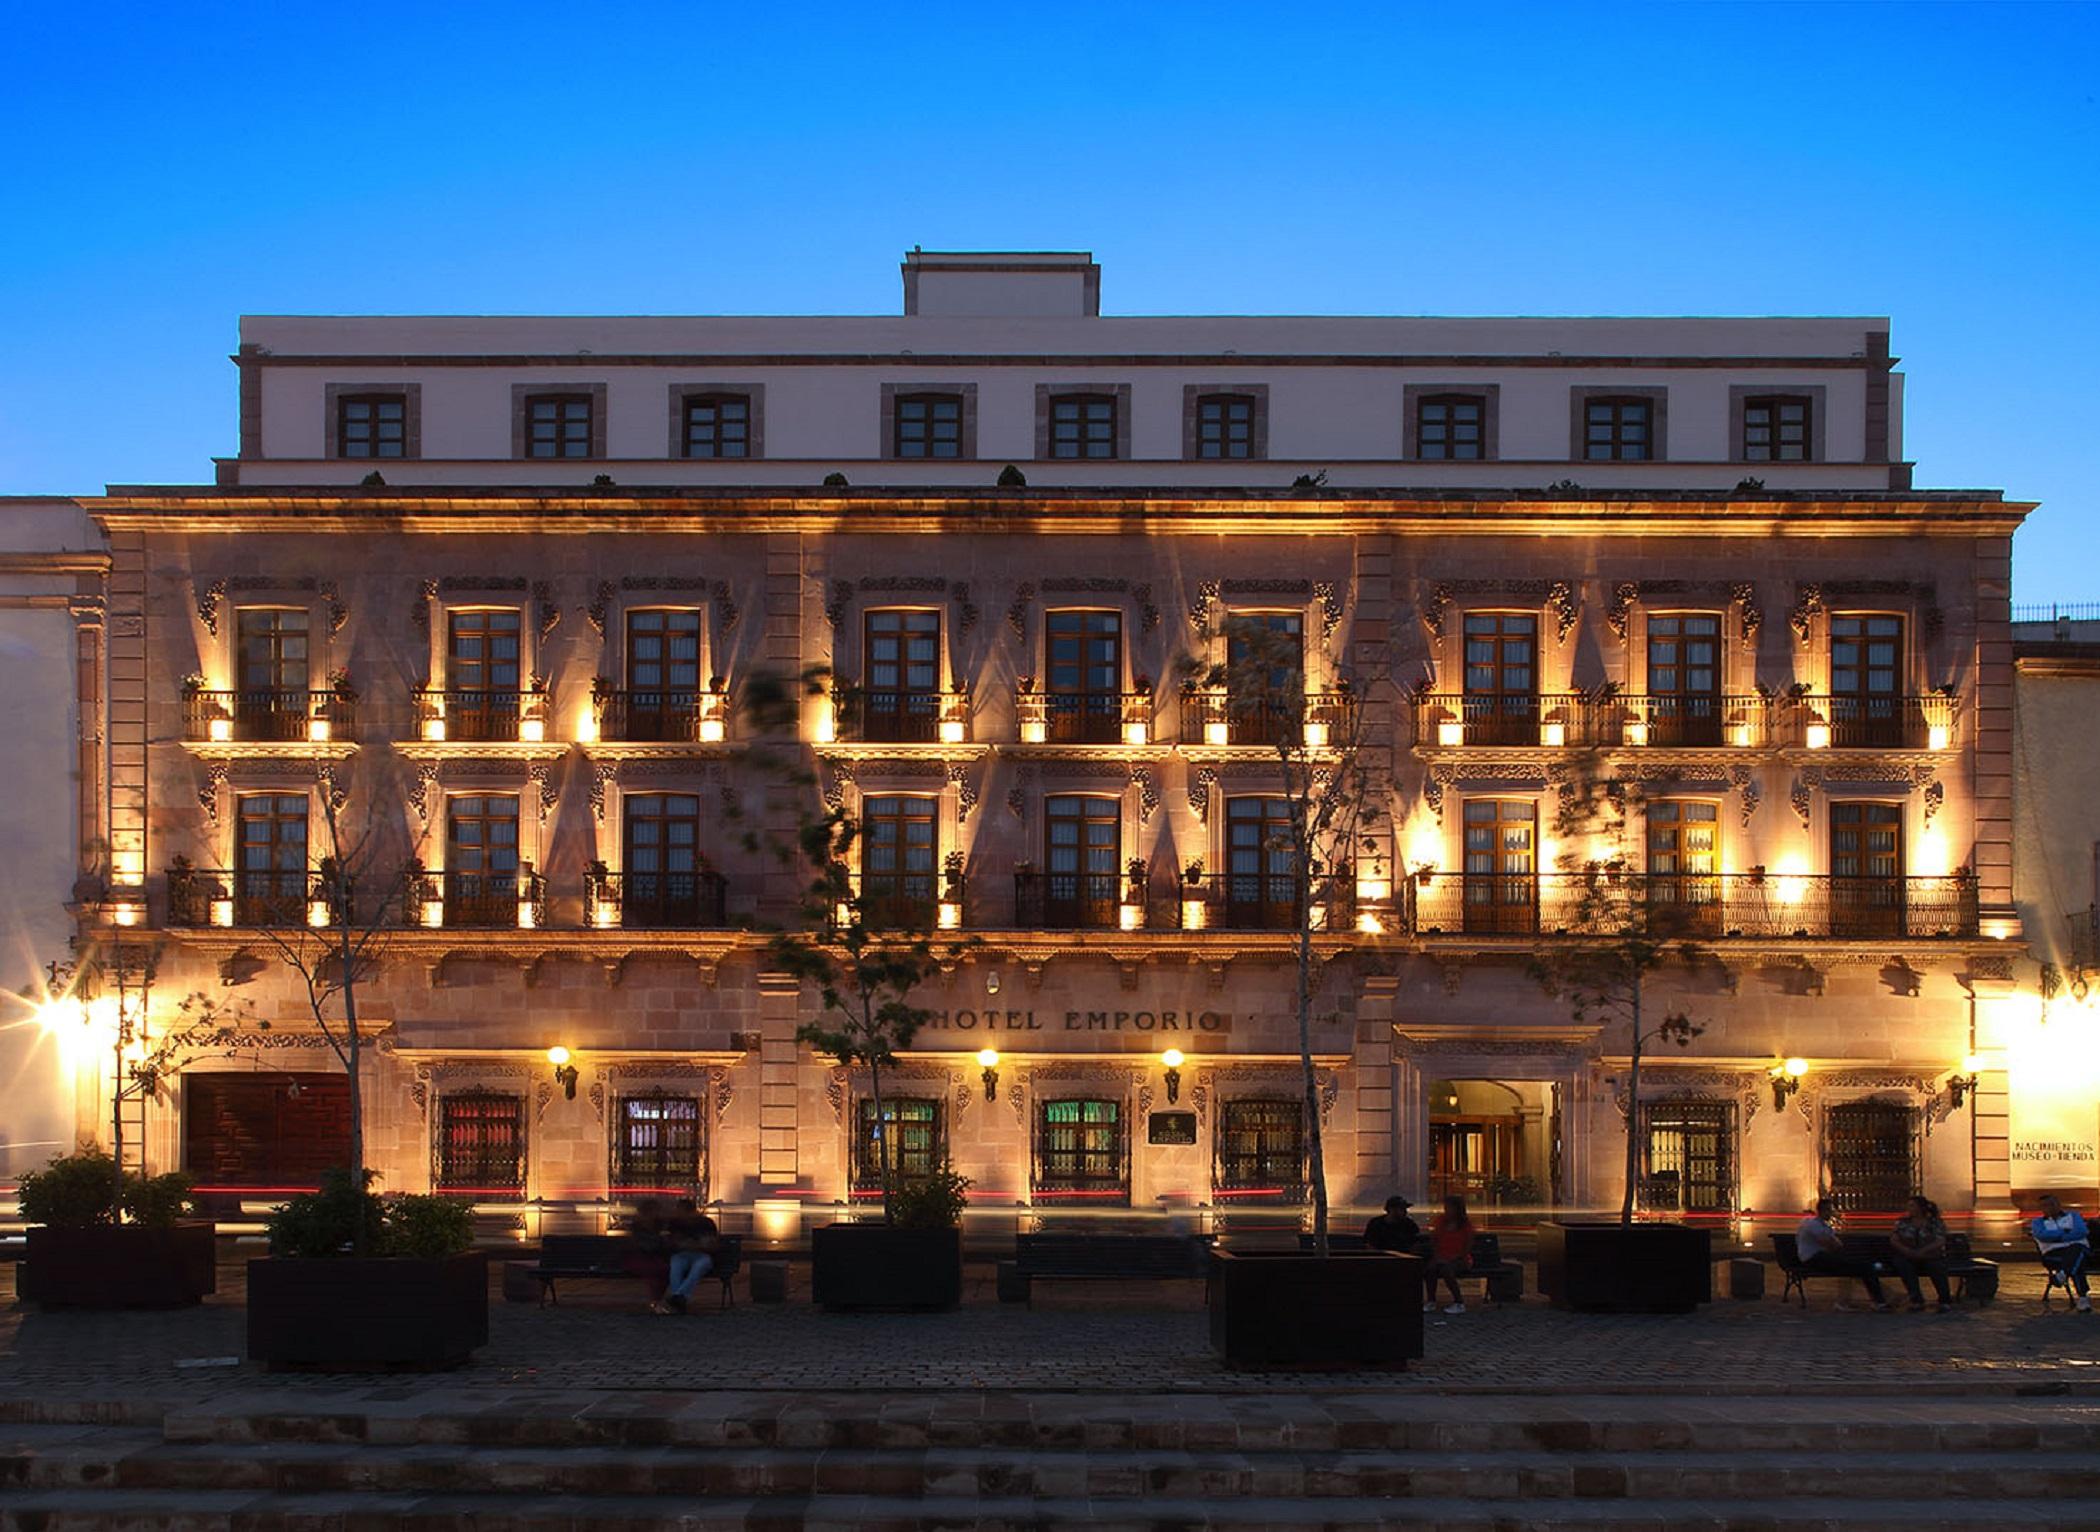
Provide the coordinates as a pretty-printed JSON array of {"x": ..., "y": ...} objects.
[{"x": 1495, "y": 1143}]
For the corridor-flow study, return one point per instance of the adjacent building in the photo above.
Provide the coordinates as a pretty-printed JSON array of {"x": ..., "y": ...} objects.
[{"x": 493, "y": 592}]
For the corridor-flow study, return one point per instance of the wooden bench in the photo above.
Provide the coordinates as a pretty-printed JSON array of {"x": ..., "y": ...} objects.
[
  {"x": 592, "y": 1257},
  {"x": 1101, "y": 1258},
  {"x": 1971, "y": 1275},
  {"x": 1501, "y": 1281}
]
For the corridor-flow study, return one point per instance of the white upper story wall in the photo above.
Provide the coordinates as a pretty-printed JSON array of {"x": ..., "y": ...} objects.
[{"x": 1000, "y": 332}]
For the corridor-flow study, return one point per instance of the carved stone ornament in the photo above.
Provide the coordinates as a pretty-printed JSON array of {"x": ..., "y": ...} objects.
[
  {"x": 836, "y": 603},
  {"x": 426, "y": 598},
  {"x": 1745, "y": 1089},
  {"x": 419, "y": 1088},
  {"x": 1147, "y": 791},
  {"x": 1801, "y": 798},
  {"x": 1748, "y": 795},
  {"x": 966, "y": 613},
  {"x": 1935, "y": 799},
  {"x": 426, "y": 783},
  {"x": 541, "y": 776},
  {"x": 541, "y": 1095},
  {"x": 601, "y": 604},
  {"x": 1330, "y": 598},
  {"x": 1750, "y": 616},
  {"x": 1620, "y": 612},
  {"x": 208, "y": 606},
  {"x": 215, "y": 776},
  {"x": 726, "y": 613},
  {"x": 1330, "y": 1088},
  {"x": 965, "y": 791},
  {"x": 1208, "y": 594},
  {"x": 1201, "y": 781},
  {"x": 338, "y": 612},
  {"x": 597, "y": 1100},
  {"x": 721, "y": 1091},
  {"x": 1148, "y": 609},
  {"x": 1017, "y": 802},
  {"x": 1199, "y": 1098},
  {"x": 332, "y": 791},
  {"x": 835, "y": 1094},
  {"x": 1808, "y": 601},
  {"x": 1017, "y": 613},
  {"x": 837, "y": 775},
  {"x": 603, "y": 773}
]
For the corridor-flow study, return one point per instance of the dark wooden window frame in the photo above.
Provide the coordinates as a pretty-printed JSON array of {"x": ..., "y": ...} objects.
[
  {"x": 1815, "y": 394},
  {"x": 1415, "y": 395},
  {"x": 862, "y": 1166},
  {"x": 410, "y": 396},
  {"x": 718, "y": 399},
  {"x": 636, "y": 1169},
  {"x": 1896, "y": 1187},
  {"x": 473, "y": 1180},
  {"x": 754, "y": 395},
  {"x": 892, "y": 393},
  {"x": 1195, "y": 395},
  {"x": 1722, "y": 1118},
  {"x": 1047, "y": 395},
  {"x": 913, "y": 709},
  {"x": 1658, "y": 402},
  {"x": 521, "y": 397},
  {"x": 1094, "y": 1186}
]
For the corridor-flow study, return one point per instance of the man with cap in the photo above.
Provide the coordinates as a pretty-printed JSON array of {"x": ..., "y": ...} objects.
[{"x": 1394, "y": 1230}]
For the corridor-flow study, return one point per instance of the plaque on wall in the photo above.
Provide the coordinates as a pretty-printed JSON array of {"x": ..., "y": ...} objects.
[{"x": 1171, "y": 1128}]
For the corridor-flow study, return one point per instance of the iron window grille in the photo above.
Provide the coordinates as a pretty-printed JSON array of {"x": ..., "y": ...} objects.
[
  {"x": 481, "y": 1144},
  {"x": 918, "y": 1142},
  {"x": 1082, "y": 1151},
  {"x": 1871, "y": 1148},
  {"x": 1260, "y": 1150},
  {"x": 1688, "y": 1156},
  {"x": 659, "y": 1145}
]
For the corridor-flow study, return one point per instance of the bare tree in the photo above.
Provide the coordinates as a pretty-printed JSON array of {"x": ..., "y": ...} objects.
[
  {"x": 1334, "y": 802},
  {"x": 334, "y": 929},
  {"x": 1622, "y": 929}
]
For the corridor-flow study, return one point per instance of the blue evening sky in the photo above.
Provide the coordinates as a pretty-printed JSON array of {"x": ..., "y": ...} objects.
[{"x": 173, "y": 166}]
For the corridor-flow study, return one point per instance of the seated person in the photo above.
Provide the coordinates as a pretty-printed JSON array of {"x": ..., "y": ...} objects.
[
  {"x": 2060, "y": 1234},
  {"x": 694, "y": 1240},
  {"x": 1823, "y": 1253},
  {"x": 649, "y": 1249},
  {"x": 1450, "y": 1255},
  {"x": 1919, "y": 1244},
  {"x": 1393, "y": 1229}
]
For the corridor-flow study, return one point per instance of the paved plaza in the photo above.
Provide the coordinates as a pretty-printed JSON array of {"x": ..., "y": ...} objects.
[{"x": 1079, "y": 1336}]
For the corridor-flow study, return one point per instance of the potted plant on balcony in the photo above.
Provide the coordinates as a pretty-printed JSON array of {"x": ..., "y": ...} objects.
[
  {"x": 78, "y": 1254},
  {"x": 1319, "y": 1307},
  {"x": 356, "y": 1281},
  {"x": 1622, "y": 939}
]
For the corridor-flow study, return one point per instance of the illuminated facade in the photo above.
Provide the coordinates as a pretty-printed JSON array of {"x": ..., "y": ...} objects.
[{"x": 500, "y": 584}]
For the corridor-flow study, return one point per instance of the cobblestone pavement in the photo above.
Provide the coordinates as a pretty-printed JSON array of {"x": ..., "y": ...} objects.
[{"x": 1150, "y": 1338}]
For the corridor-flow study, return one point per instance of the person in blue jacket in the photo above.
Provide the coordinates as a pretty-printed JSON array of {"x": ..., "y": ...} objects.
[{"x": 2061, "y": 1234}]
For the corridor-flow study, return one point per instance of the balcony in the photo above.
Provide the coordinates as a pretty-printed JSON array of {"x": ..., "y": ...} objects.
[
  {"x": 1871, "y": 723},
  {"x": 1777, "y": 906},
  {"x": 661, "y": 717},
  {"x": 656, "y": 901},
  {"x": 902, "y": 717},
  {"x": 1084, "y": 718},
  {"x": 1681, "y": 722},
  {"x": 481, "y": 717},
  {"x": 1078, "y": 901},
  {"x": 1214, "y": 717},
  {"x": 484, "y": 900},
  {"x": 220, "y": 896},
  {"x": 1553, "y": 720},
  {"x": 267, "y": 716},
  {"x": 1263, "y": 901}
]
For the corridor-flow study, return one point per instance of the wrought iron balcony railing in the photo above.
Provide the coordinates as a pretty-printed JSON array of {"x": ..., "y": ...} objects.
[
  {"x": 656, "y": 901},
  {"x": 485, "y": 900},
  {"x": 1212, "y": 716},
  {"x": 245, "y": 897},
  {"x": 1690, "y": 907},
  {"x": 669, "y": 716},
  {"x": 1550, "y": 719},
  {"x": 481, "y": 716},
  {"x": 903, "y": 717},
  {"x": 1680, "y": 721},
  {"x": 1871, "y": 723},
  {"x": 1264, "y": 901},
  {"x": 268, "y": 715},
  {"x": 1085, "y": 718}
]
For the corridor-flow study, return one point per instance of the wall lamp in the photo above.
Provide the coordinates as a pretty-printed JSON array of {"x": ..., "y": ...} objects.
[
  {"x": 1172, "y": 1059},
  {"x": 989, "y": 1058},
  {"x": 1786, "y": 1079},
  {"x": 564, "y": 1071},
  {"x": 1963, "y": 1084}
]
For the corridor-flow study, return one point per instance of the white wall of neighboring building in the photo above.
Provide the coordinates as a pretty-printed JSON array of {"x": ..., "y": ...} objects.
[{"x": 39, "y": 834}]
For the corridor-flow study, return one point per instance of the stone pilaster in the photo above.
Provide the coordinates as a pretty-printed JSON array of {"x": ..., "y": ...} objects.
[
  {"x": 1371, "y": 1077},
  {"x": 779, "y": 1079},
  {"x": 127, "y": 711},
  {"x": 1993, "y": 727}
]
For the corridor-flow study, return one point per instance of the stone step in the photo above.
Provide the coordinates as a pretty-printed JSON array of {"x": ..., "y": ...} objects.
[
  {"x": 72, "y": 1458},
  {"x": 151, "y": 1511},
  {"x": 1389, "y": 1422}
]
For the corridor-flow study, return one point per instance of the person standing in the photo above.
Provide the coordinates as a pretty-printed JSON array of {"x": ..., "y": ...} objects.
[
  {"x": 1823, "y": 1253},
  {"x": 2066, "y": 1247},
  {"x": 1919, "y": 1244}
]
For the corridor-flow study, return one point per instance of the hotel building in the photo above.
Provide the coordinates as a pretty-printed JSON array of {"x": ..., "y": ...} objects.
[{"x": 498, "y": 586}]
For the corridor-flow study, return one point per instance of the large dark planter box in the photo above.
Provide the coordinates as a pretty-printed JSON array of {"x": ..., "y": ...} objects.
[
  {"x": 119, "y": 1266},
  {"x": 359, "y": 1313},
  {"x": 1283, "y": 1308},
  {"x": 873, "y": 1266},
  {"x": 1650, "y": 1268}
]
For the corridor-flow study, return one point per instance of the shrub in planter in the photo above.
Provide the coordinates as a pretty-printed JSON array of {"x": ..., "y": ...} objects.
[
  {"x": 912, "y": 1262},
  {"x": 1282, "y": 1308},
  {"x": 78, "y": 1255},
  {"x": 417, "y": 1297}
]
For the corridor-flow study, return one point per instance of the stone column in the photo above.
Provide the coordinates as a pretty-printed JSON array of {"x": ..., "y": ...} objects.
[
  {"x": 1371, "y": 1073},
  {"x": 779, "y": 1079},
  {"x": 1994, "y": 1001}
]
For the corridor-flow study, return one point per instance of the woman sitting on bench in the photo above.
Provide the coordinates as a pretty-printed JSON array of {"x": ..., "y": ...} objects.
[
  {"x": 1823, "y": 1254},
  {"x": 1450, "y": 1255}
]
